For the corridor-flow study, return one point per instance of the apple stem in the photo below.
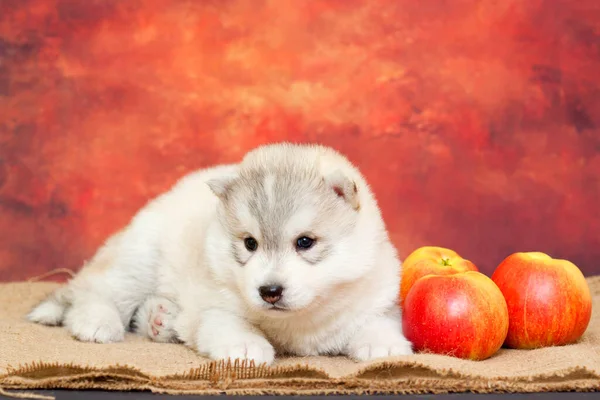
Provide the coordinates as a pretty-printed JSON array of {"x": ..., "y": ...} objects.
[{"x": 445, "y": 261}]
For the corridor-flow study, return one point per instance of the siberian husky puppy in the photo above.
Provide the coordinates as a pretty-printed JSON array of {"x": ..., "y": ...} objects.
[{"x": 285, "y": 252}]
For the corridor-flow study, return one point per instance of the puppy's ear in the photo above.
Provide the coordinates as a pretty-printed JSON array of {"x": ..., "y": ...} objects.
[
  {"x": 221, "y": 186},
  {"x": 343, "y": 187}
]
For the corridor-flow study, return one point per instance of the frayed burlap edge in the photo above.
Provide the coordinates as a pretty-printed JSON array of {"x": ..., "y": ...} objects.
[
  {"x": 240, "y": 379},
  {"x": 299, "y": 386}
]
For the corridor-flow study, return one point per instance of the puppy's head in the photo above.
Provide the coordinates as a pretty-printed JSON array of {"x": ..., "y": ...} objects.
[{"x": 292, "y": 228}]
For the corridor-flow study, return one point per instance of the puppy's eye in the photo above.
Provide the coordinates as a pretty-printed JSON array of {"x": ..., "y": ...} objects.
[
  {"x": 251, "y": 244},
  {"x": 304, "y": 243}
]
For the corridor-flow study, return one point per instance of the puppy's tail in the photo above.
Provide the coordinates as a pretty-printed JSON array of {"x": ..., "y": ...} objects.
[{"x": 51, "y": 311}]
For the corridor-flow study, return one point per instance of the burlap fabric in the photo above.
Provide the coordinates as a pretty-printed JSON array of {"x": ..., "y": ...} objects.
[{"x": 33, "y": 356}]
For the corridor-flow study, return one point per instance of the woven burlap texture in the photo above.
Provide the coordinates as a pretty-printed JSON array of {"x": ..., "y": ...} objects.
[{"x": 38, "y": 357}]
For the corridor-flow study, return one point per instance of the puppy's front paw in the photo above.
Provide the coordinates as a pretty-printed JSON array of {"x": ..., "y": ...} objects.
[
  {"x": 245, "y": 347},
  {"x": 225, "y": 336},
  {"x": 382, "y": 337},
  {"x": 379, "y": 349}
]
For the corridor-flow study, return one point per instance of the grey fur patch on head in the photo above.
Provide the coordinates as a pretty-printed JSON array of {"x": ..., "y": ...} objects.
[{"x": 273, "y": 187}]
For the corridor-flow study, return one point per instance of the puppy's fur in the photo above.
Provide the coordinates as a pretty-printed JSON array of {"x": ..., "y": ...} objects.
[{"x": 182, "y": 264}]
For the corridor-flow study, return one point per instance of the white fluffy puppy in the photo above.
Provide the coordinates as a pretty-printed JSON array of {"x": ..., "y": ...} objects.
[{"x": 284, "y": 252}]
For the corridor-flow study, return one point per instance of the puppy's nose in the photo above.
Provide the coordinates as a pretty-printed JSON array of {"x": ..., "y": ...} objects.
[{"x": 271, "y": 294}]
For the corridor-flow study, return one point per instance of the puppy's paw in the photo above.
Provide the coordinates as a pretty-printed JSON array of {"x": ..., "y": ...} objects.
[
  {"x": 221, "y": 335},
  {"x": 98, "y": 323},
  {"x": 50, "y": 312},
  {"x": 382, "y": 337},
  {"x": 380, "y": 349},
  {"x": 156, "y": 319},
  {"x": 244, "y": 347}
]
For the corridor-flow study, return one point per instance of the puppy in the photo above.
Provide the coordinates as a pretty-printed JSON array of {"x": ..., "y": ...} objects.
[{"x": 285, "y": 252}]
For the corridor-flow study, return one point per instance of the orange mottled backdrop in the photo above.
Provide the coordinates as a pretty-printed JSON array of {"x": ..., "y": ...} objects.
[{"x": 477, "y": 122}]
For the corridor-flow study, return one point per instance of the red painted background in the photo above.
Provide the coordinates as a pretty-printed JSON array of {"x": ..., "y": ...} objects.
[{"x": 477, "y": 122}]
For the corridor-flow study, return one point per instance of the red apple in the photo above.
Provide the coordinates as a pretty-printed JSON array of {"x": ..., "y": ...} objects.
[
  {"x": 462, "y": 315},
  {"x": 549, "y": 301},
  {"x": 428, "y": 260}
]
